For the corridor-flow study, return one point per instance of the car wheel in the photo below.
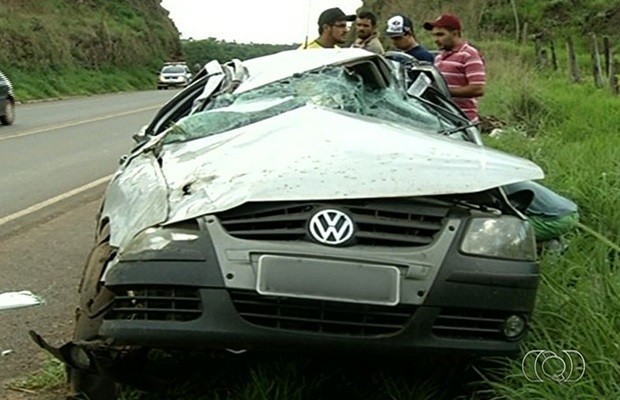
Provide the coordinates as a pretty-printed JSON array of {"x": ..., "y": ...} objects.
[
  {"x": 9, "y": 113},
  {"x": 92, "y": 296}
]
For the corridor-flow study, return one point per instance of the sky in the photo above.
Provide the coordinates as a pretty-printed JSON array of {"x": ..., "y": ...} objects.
[{"x": 258, "y": 21}]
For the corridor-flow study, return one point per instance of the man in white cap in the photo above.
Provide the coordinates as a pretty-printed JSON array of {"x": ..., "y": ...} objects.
[
  {"x": 400, "y": 30},
  {"x": 332, "y": 30}
]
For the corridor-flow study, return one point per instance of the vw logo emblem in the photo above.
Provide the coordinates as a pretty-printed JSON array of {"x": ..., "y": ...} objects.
[{"x": 331, "y": 227}]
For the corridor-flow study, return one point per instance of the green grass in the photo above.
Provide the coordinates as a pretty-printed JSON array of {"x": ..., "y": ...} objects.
[
  {"x": 63, "y": 34},
  {"x": 44, "y": 84},
  {"x": 50, "y": 376},
  {"x": 572, "y": 133},
  {"x": 303, "y": 377}
]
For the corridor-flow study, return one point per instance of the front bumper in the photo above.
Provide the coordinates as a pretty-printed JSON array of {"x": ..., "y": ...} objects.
[
  {"x": 172, "y": 83},
  {"x": 458, "y": 305}
]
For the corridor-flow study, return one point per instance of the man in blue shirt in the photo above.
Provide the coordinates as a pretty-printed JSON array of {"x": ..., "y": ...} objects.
[
  {"x": 550, "y": 214},
  {"x": 400, "y": 30}
]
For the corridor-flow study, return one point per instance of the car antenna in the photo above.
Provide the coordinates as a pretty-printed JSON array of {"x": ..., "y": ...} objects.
[{"x": 307, "y": 22}]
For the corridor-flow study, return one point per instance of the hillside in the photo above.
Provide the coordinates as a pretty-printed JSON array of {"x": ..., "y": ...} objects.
[
  {"x": 59, "y": 34},
  {"x": 488, "y": 19}
]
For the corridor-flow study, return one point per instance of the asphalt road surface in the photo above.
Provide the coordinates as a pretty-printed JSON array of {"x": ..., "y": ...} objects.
[{"x": 54, "y": 164}]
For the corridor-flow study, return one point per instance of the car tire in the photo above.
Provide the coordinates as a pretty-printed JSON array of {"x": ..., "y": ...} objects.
[
  {"x": 9, "y": 113},
  {"x": 83, "y": 384}
]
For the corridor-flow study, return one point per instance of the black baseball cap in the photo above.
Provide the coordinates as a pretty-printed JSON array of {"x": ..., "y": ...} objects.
[{"x": 331, "y": 15}]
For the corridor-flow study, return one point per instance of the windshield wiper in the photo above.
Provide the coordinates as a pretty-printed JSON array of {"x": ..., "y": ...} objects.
[{"x": 460, "y": 128}]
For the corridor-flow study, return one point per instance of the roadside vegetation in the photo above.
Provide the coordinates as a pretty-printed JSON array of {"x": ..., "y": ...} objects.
[
  {"x": 47, "y": 384},
  {"x": 576, "y": 142},
  {"x": 200, "y": 52},
  {"x": 60, "y": 48},
  {"x": 48, "y": 84}
]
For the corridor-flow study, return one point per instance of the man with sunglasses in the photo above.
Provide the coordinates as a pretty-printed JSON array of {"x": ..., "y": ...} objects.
[
  {"x": 332, "y": 30},
  {"x": 400, "y": 30}
]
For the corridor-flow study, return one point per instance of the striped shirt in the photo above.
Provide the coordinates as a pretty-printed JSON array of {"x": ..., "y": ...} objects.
[{"x": 461, "y": 67}]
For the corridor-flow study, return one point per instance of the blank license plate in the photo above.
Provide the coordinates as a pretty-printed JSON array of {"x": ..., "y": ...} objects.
[{"x": 328, "y": 280}]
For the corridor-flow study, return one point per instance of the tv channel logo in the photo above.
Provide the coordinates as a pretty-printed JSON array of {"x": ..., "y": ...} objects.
[{"x": 546, "y": 365}]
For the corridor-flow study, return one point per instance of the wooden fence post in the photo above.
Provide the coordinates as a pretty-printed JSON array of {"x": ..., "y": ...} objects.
[
  {"x": 573, "y": 70},
  {"x": 607, "y": 54},
  {"x": 543, "y": 59},
  {"x": 554, "y": 58},
  {"x": 538, "y": 50},
  {"x": 516, "y": 15},
  {"x": 613, "y": 79},
  {"x": 596, "y": 61}
]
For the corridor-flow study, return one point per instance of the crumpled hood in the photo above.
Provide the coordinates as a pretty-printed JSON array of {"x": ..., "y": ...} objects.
[{"x": 313, "y": 153}]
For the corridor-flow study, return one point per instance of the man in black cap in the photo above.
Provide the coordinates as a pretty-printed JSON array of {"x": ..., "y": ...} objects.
[
  {"x": 400, "y": 30},
  {"x": 332, "y": 30}
]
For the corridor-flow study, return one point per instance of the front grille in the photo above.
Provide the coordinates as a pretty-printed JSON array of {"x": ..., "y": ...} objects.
[
  {"x": 399, "y": 222},
  {"x": 460, "y": 323},
  {"x": 156, "y": 304},
  {"x": 320, "y": 316}
]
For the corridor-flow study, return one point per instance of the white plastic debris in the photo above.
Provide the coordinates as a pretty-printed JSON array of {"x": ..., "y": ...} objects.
[
  {"x": 420, "y": 85},
  {"x": 12, "y": 300}
]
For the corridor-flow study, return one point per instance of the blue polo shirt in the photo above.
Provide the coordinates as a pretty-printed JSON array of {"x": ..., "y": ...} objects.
[{"x": 421, "y": 53}]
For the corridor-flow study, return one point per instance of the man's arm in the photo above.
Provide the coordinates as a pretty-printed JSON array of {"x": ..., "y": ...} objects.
[{"x": 467, "y": 91}]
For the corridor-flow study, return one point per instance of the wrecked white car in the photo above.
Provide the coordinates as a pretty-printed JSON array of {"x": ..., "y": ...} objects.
[{"x": 305, "y": 200}]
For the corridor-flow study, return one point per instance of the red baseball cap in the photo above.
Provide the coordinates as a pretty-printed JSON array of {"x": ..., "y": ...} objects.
[{"x": 448, "y": 21}]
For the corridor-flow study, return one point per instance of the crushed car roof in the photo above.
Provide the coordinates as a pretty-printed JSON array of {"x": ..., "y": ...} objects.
[{"x": 271, "y": 68}]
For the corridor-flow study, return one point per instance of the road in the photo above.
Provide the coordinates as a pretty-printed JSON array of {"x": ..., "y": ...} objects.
[
  {"x": 55, "y": 162},
  {"x": 60, "y": 145}
]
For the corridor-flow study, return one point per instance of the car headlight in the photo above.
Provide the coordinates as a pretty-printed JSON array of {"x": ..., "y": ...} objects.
[
  {"x": 506, "y": 237},
  {"x": 157, "y": 239}
]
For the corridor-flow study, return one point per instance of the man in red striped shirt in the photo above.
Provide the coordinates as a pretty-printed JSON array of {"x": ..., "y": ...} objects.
[{"x": 459, "y": 62}]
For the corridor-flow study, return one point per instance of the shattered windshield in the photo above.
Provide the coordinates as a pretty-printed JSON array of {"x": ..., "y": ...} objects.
[{"x": 332, "y": 87}]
